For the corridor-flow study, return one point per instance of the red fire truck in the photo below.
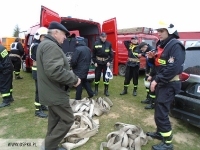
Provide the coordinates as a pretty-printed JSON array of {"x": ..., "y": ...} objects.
[{"x": 88, "y": 29}]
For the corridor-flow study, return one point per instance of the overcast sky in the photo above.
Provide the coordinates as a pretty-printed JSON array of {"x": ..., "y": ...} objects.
[{"x": 129, "y": 13}]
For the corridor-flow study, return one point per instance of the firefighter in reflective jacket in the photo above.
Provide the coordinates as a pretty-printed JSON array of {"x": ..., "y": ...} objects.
[
  {"x": 132, "y": 65},
  {"x": 6, "y": 77},
  {"x": 168, "y": 60},
  {"x": 102, "y": 57},
  {"x": 38, "y": 37},
  {"x": 16, "y": 53}
]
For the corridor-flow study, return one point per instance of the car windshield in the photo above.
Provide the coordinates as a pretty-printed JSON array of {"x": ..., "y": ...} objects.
[{"x": 192, "y": 58}]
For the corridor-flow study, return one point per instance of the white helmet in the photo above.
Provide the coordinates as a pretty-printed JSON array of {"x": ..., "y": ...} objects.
[
  {"x": 170, "y": 28},
  {"x": 40, "y": 31},
  {"x": 146, "y": 83}
]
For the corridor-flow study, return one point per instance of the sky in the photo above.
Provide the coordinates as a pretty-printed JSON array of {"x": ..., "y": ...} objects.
[{"x": 129, "y": 13}]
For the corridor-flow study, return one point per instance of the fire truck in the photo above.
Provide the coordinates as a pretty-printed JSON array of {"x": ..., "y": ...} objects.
[{"x": 88, "y": 29}]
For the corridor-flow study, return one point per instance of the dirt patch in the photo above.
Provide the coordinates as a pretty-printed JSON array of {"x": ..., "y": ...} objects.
[
  {"x": 3, "y": 130},
  {"x": 150, "y": 121},
  {"x": 112, "y": 115},
  {"x": 3, "y": 114},
  {"x": 128, "y": 109},
  {"x": 21, "y": 109},
  {"x": 174, "y": 122},
  {"x": 184, "y": 138}
]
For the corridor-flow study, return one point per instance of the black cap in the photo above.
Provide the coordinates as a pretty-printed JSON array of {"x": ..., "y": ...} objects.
[
  {"x": 103, "y": 34},
  {"x": 56, "y": 25},
  {"x": 135, "y": 37},
  {"x": 79, "y": 38}
]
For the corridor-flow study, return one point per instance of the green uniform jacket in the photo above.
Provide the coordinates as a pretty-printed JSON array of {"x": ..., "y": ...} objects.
[{"x": 53, "y": 72}]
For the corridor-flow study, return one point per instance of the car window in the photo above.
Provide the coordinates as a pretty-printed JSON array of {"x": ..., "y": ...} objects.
[
  {"x": 150, "y": 42},
  {"x": 192, "y": 58},
  {"x": 189, "y": 43}
]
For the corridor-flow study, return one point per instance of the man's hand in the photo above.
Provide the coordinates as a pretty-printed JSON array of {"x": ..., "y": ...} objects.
[
  {"x": 151, "y": 54},
  {"x": 108, "y": 64},
  {"x": 153, "y": 85},
  {"x": 139, "y": 55},
  {"x": 149, "y": 78},
  {"x": 95, "y": 65},
  {"x": 79, "y": 81}
]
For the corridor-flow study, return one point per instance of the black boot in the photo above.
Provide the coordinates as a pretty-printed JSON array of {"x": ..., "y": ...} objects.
[
  {"x": 146, "y": 101},
  {"x": 135, "y": 91},
  {"x": 44, "y": 108},
  {"x": 39, "y": 112},
  {"x": 18, "y": 77},
  {"x": 96, "y": 89},
  {"x": 12, "y": 99},
  {"x": 124, "y": 91},
  {"x": 6, "y": 102},
  {"x": 106, "y": 90},
  {"x": 155, "y": 135},
  {"x": 151, "y": 105},
  {"x": 166, "y": 144}
]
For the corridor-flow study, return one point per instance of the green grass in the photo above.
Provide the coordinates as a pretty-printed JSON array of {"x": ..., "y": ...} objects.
[{"x": 18, "y": 120}]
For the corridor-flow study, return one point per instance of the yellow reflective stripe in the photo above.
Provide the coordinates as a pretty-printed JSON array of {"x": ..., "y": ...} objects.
[
  {"x": 37, "y": 104},
  {"x": 168, "y": 141},
  {"x": 107, "y": 50},
  {"x": 136, "y": 54},
  {"x": 135, "y": 85},
  {"x": 11, "y": 90},
  {"x": 17, "y": 73},
  {"x": 34, "y": 68},
  {"x": 106, "y": 83},
  {"x": 6, "y": 94},
  {"x": 152, "y": 96},
  {"x": 161, "y": 61},
  {"x": 98, "y": 46},
  {"x": 132, "y": 46},
  {"x": 96, "y": 82},
  {"x": 126, "y": 85},
  {"x": 166, "y": 134},
  {"x": 4, "y": 53},
  {"x": 147, "y": 90}
]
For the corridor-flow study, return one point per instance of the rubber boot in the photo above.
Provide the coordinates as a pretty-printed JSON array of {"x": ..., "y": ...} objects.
[
  {"x": 151, "y": 105},
  {"x": 135, "y": 91},
  {"x": 44, "y": 108},
  {"x": 106, "y": 90},
  {"x": 39, "y": 112},
  {"x": 146, "y": 101},
  {"x": 6, "y": 102},
  {"x": 124, "y": 91},
  {"x": 17, "y": 77},
  {"x": 96, "y": 89},
  {"x": 166, "y": 144},
  {"x": 11, "y": 99}
]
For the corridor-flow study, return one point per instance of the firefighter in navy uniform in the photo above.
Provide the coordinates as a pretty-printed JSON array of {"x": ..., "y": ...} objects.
[
  {"x": 6, "y": 77},
  {"x": 168, "y": 60},
  {"x": 16, "y": 53},
  {"x": 38, "y": 37},
  {"x": 102, "y": 57},
  {"x": 132, "y": 65}
]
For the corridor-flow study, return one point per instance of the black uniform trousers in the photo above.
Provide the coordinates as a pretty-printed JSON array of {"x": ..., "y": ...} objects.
[
  {"x": 34, "y": 74},
  {"x": 165, "y": 94},
  {"x": 84, "y": 83},
  {"x": 16, "y": 61},
  {"x": 6, "y": 85},
  {"x": 60, "y": 120},
  {"x": 98, "y": 71},
  {"x": 131, "y": 72}
]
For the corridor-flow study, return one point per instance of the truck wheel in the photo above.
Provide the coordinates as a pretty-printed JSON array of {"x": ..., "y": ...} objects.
[{"x": 122, "y": 69}]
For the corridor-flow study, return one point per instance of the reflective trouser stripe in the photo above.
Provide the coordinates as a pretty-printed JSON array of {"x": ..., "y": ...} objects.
[
  {"x": 152, "y": 96},
  {"x": 34, "y": 68},
  {"x": 37, "y": 104},
  {"x": 11, "y": 90},
  {"x": 126, "y": 85},
  {"x": 166, "y": 134},
  {"x": 96, "y": 82},
  {"x": 107, "y": 83},
  {"x": 168, "y": 141},
  {"x": 135, "y": 85},
  {"x": 5, "y": 95},
  {"x": 16, "y": 73},
  {"x": 147, "y": 90}
]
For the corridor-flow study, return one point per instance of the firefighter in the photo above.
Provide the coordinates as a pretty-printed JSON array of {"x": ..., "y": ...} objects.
[
  {"x": 168, "y": 60},
  {"x": 132, "y": 64},
  {"x": 150, "y": 72},
  {"x": 38, "y": 37},
  {"x": 6, "y": 77},
  {"x": 102, "y": 57},
  {"x": 16, "y": 53}
]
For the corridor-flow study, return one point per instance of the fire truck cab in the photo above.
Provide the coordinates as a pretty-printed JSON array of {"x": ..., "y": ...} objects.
[{"x": 88, "y": 29}]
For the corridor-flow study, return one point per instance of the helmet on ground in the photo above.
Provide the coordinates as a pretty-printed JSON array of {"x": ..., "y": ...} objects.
[
  {"x": 146, "y": 83},
  {"x": 170, "y": 28},
  {"x": 39, "y": 32}
]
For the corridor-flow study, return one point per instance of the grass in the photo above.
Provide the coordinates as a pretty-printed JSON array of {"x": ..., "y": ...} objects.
[{"x": 18, "y": 120}]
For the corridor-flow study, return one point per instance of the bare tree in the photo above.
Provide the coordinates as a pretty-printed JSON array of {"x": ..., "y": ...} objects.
[{"x": 16, "y": 31}]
